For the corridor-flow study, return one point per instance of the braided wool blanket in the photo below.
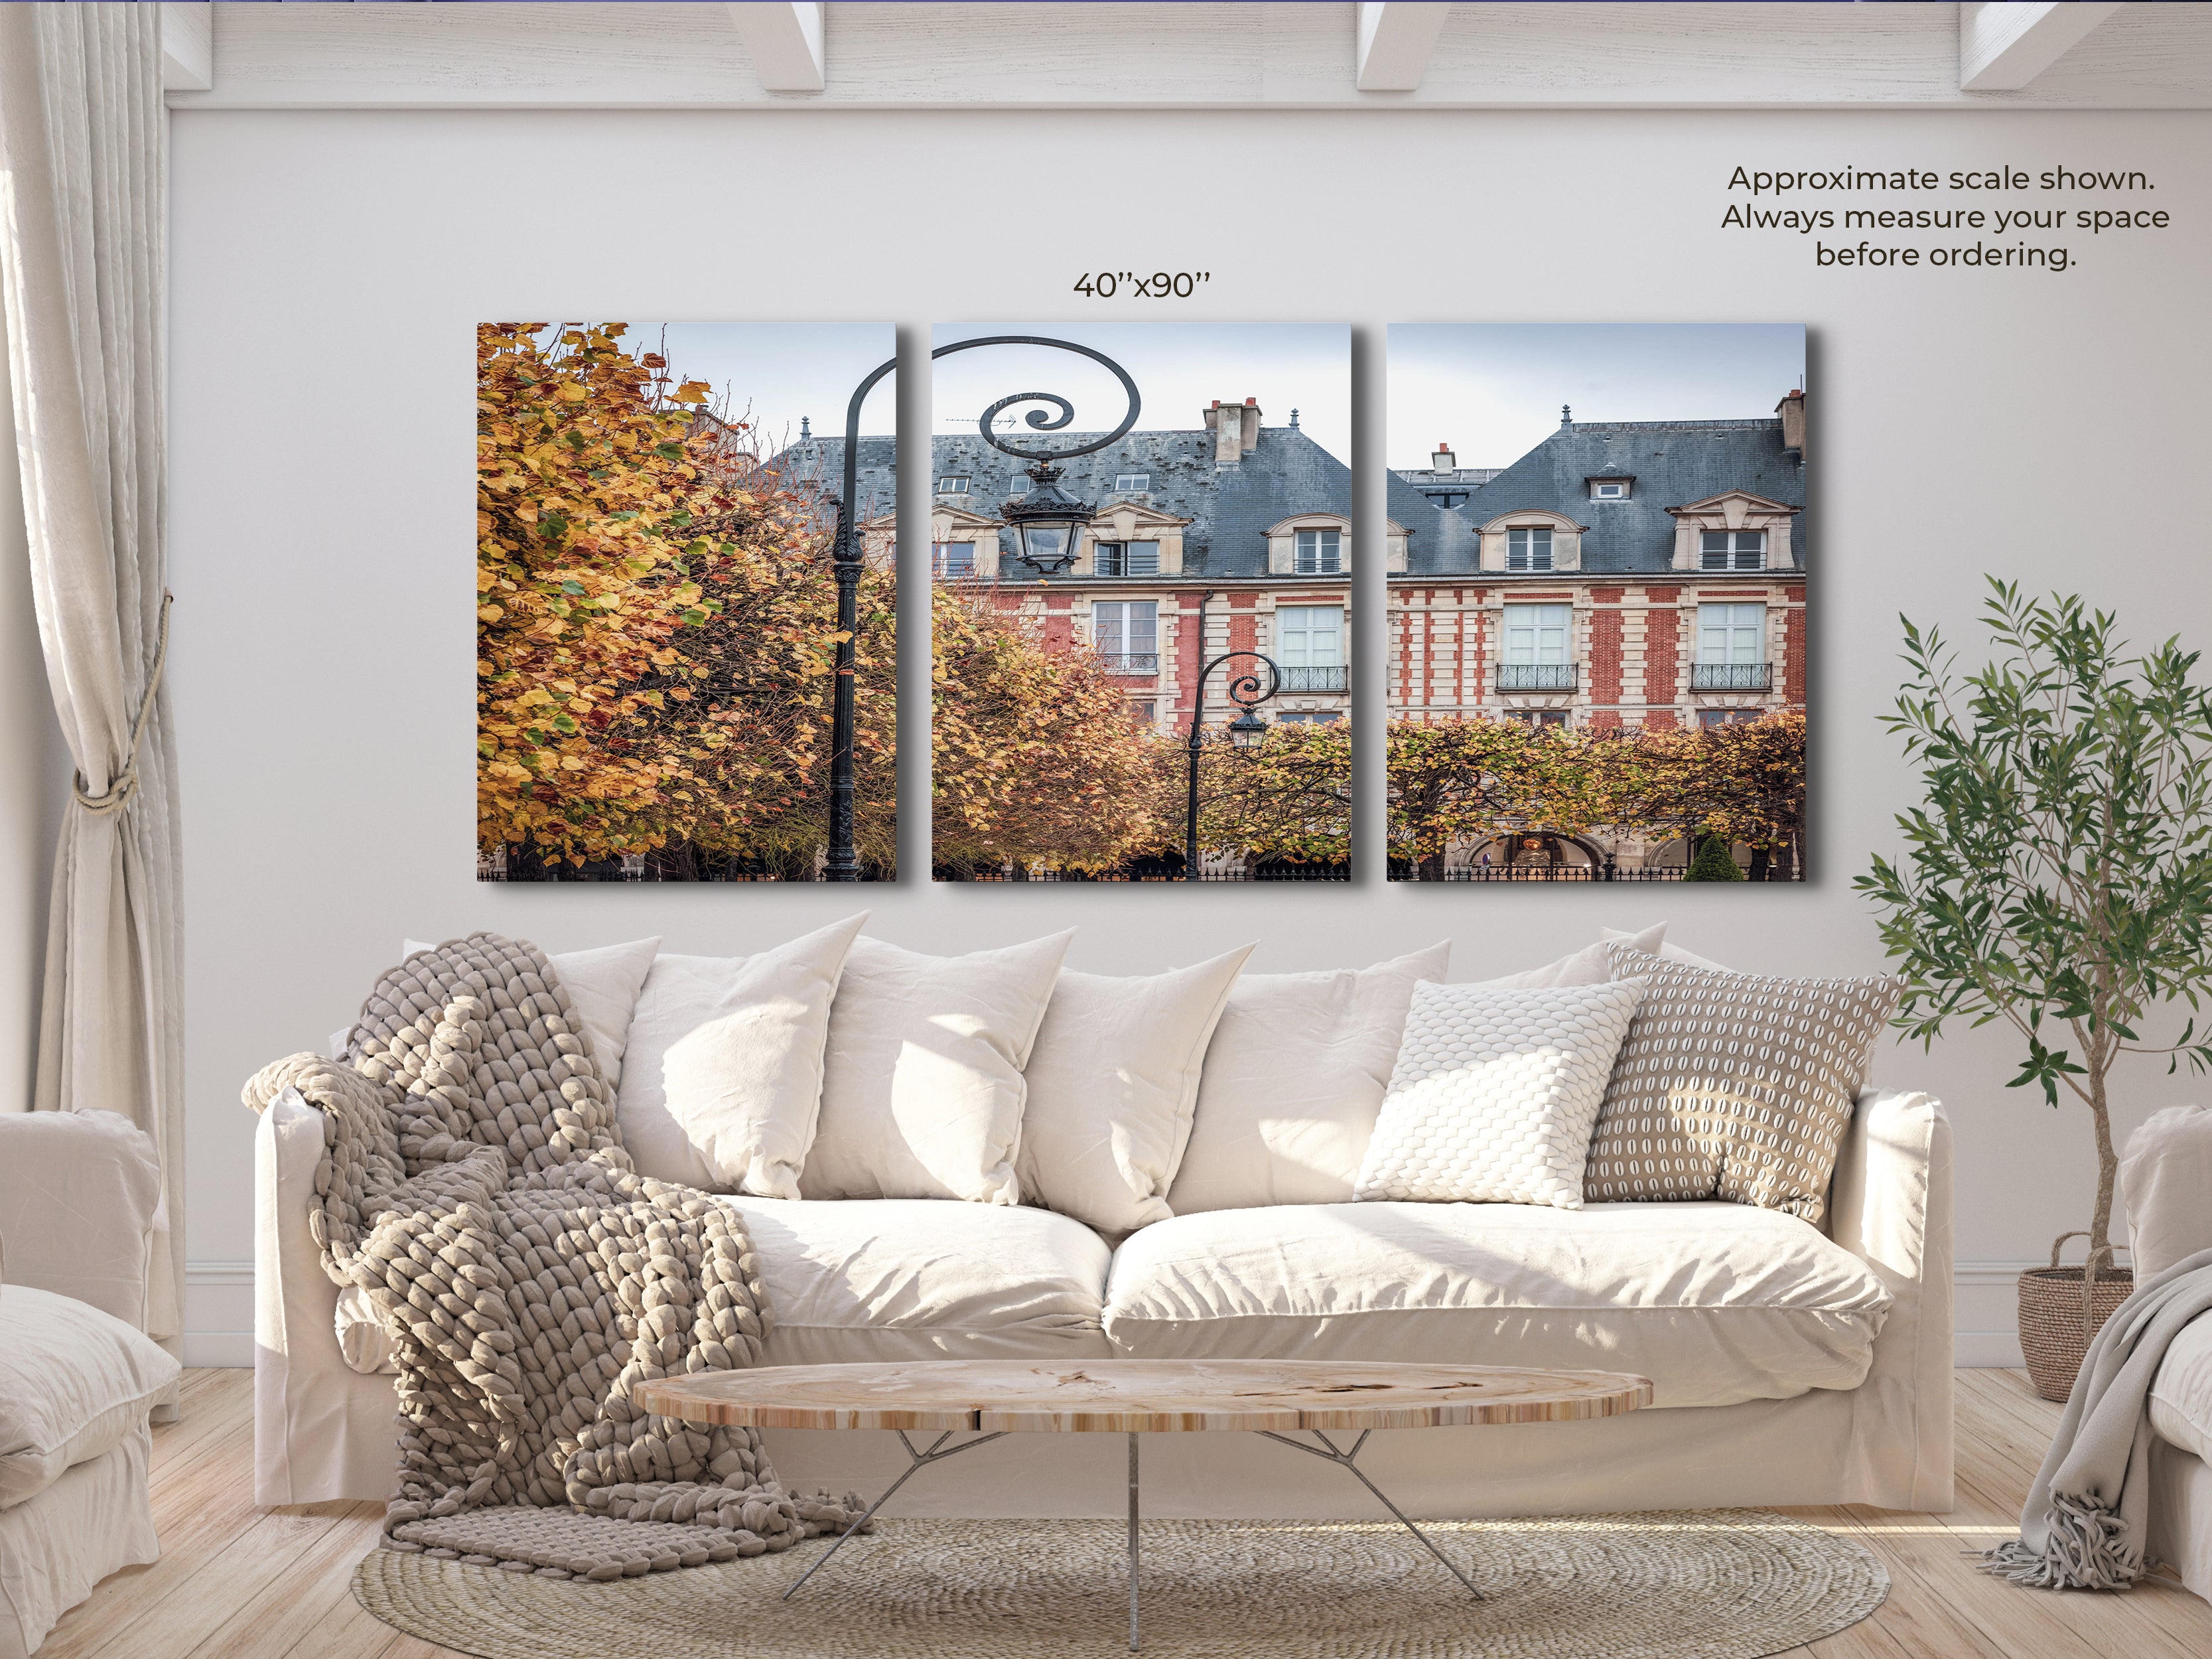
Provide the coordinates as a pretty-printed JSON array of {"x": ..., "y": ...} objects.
[{"x": 474, "y": 1185}]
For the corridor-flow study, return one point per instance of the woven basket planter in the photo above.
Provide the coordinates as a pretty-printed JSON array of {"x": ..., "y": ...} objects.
[{"x": 2051, "y": 1332}]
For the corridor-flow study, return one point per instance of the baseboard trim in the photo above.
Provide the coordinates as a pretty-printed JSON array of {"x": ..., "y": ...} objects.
[{"x": 218, "y": 1350}]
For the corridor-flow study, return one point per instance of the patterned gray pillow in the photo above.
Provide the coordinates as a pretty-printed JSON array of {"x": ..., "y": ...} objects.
[{"x": 1733, "y": 1086}]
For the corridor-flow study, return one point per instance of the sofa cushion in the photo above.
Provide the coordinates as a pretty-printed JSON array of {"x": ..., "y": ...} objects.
[
  {"x": 890, "y": 1279},
  {"x": 1733, "y": 1086},
  {"x": 2181, "y": 1392},
  {"x": 921, "y": 1084},
  {"x": 1112, "y": 1083},
  {"x": 1494, "y": 1094},
  {"x": 1292, "y": 1082},
  {"x": 74, "y": 1382},
  {"x": 724, "y": 1079},
  {"x": 1716, "y": 1302}
]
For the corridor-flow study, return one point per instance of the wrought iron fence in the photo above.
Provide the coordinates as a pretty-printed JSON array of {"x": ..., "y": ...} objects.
[
  {"x": 1536, "y": 676},
  {"x": 1313, "y": 679},
  {"x": 1130, "y": 662},
  {"x": 1731, "y": 676},
  {"x": 1585, "y": 873}
]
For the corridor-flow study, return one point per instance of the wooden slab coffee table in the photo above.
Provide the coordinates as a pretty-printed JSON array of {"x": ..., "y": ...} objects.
[{"x": 1271, "y": 1398}]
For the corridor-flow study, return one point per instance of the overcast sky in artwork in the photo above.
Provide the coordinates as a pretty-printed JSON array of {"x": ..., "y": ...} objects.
[
  {"x": 1179, "y": 369},
  {"x": 1493, "y": 391},
  {"x": 772, "y": 373}
]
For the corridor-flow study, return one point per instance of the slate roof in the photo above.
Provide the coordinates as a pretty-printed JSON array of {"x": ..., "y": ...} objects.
[
  {"x": 1229, "y": 509},
  {"x": 1672, "y": 462}
]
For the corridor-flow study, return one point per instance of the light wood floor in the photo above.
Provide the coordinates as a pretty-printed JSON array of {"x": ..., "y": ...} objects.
[{"x": 238, "y": 1582}]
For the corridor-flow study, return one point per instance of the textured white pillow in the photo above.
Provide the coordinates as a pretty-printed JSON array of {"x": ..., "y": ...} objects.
[
  {"x": 1669, "y": 952},
  {"x": 724, "y": 1077},
  {"x": 1495, "y": 1094},
  {"x": 602, "y": 983},
  {"x": 1293, "y": 1079},
  {"x": 1590, "y": 965},
  {"x": 922, "y": 1091},
  {"x": 1112, "y": 1084}
]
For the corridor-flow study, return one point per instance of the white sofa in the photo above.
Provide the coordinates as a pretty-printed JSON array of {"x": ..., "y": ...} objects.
[
  {"x": 2166, "y": 1178},
  {"x": 1793, "y": 1364},
  {"x": 79, "y": 1380}
]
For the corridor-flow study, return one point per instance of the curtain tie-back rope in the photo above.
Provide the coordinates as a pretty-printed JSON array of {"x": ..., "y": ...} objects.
[{"x": 125, "y": 782}]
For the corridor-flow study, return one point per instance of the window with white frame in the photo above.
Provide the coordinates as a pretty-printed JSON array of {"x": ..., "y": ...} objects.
[
  {"x": 1145, "y": 711},
  {"x": 1732, "y": 550},
  {"x": 1310, "y": 636},
  {"x": 1308, "y": 716},
  {"x": 1020, "y": 487},
  {"x": 1529, "y": 548},
  {"x": 1126, "y": 633},
  {"x": 953, "y": 483},
  {"x": 953, "y": 560},
  {"x": 1707, "y": 719},
  {"x": 1318, "y": 553},
  {"x": 1127, "y": 559},
  {"x": 1608, "y": 489},
  {"x": 1539, "y": 718},
  {"x": 1536, "y": 635},
  {"x": 1132, "y": 483},
  {"x": 1731, "y": 634}
]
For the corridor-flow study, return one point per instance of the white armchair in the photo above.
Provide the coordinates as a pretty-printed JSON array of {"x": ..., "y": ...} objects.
[
  {"x": 2166, "y": 1176},
  {"x": 79, "y": 1193}
]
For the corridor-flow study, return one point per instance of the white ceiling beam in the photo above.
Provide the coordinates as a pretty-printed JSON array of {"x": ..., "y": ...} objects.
[
  {"x": 1396, "y": 39},
  {"x": 188, "y": 46},
  {"x": 784, "y": 38},
  {"x": 2003, "y": 44}
]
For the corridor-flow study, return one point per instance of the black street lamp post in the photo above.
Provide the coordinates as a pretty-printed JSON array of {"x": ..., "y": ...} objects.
[
  {"x": 1247, "y": 731},
  {"x": 1046, "y": 523}
]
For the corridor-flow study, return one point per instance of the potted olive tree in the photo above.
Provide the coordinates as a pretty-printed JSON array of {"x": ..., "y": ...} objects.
[{"x": 2057, "y": 879}]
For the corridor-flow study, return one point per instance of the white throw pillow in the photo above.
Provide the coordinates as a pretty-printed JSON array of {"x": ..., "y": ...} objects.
[
  {"x": 1495, "y": 1094},
  {"x": 724, "y": 1077},
  {"x": 922, "y": 1091},
  {"x": 1294, "y": 1077},
  {"x": 1591, "y": 965},
  {"x": 73, "y": 1382},
  {"x": 602, "y": 984},
  {"x": 1112, "y": 1085}
]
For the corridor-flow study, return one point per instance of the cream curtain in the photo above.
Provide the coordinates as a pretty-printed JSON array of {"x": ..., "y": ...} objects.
[{"x": 84, "y": 194}]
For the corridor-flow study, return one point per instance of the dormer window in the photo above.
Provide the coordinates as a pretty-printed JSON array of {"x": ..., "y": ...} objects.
[
  {"x": 1132, "y": 483},
  {"x": 1610, "y": 489},
  {"x": 1528, "y": 549},
  {"x": 1020, "y": 487},
  {"x": 1732, "y": 550},
  {"x": 1448, "y": 498},
  {"x": 953, "y": 484},
  {"x": 1318, "y": 553}
]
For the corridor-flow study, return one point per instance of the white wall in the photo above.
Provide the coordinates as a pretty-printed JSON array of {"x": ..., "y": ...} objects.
[{"x": 329, "y": 267}]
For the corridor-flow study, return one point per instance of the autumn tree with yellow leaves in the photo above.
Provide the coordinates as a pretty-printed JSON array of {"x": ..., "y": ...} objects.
[{"x": 656, "y": 626}]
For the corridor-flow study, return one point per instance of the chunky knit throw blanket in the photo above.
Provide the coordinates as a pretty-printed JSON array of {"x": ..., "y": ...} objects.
[
  {"x": 2082, "y": 1527},
  {"x": 474, "y": 1185}
]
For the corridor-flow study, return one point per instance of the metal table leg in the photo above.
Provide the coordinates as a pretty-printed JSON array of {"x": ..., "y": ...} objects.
[
  {"x": 1133, "y": 1542},
  {"x": 1344, "y": 1459},
  {"x": 934, "y": 1454}
]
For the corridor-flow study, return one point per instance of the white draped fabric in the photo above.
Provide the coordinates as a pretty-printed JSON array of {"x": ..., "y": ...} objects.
[{"x": 83, "y": 192}]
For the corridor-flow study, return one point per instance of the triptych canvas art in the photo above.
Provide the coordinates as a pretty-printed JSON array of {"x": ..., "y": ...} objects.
[{"x": 1141, "y": 566}]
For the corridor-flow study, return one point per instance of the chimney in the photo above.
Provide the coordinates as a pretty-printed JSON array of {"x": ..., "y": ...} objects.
[
  {"x": 1791, "y": 408},
  {"x": 1236, "y": 429},
  {"x": 1442, "y": 461}
]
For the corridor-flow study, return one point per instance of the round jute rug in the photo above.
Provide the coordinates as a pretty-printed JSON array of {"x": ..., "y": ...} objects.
[{"x": 1703, "y": 1584}]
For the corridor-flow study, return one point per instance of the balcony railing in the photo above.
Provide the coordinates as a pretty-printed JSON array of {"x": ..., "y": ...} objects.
[
  {"x": 1131, "y": 662},
  {"x": 1536, "y": 676},
  {"x": 1731, "y": 676},
  {"x": 1313, "y": 679}
]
